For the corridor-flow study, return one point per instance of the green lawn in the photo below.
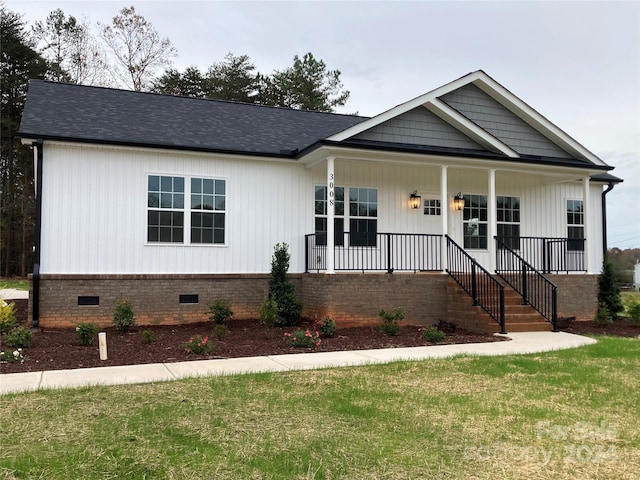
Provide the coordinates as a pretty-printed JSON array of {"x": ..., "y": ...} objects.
[
  {"x": 559, "y": 415},
  {"x": 17, "y": 283}
]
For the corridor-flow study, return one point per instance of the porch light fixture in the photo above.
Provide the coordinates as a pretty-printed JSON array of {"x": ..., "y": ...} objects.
[
  {"x": 458, "y": 202},
  {"x": 415, "y": 200}
]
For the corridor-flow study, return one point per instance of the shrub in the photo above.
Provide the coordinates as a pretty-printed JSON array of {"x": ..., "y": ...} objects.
[
  {"x": 148, "y": 336},
  {"x": 268, "y": 312},
  {"x": 19, "y": 337},
  {"x": 220, "y": 331},
  {"x": 199, "y": 345},
  {"x": 389, "y": 321},
  {"x": 632, "y": 308},
  {"x": 303, "y": 338},
  {"x": 433, "y": 334},
  {"x": 446, "y": 327},
  {"x": 86, "y": 333},
  {"x": 7, "y": 318},
  {"x": 608, "y": 289},
  {"x": 281, "y": 290},
  {"x": 220, "y": 311},
  {"x": 123, "y": 318},
  {"x": 11, "y": 356},
  {"x": 602, "y": 316},
  {"x": 327, "y": 327}
]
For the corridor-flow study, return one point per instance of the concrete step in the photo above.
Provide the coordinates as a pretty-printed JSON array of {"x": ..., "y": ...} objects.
[{"x": 521, "y": 327}]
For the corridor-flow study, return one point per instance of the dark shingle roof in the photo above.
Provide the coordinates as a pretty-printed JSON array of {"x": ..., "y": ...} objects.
[{"x": 93, "y": 114}]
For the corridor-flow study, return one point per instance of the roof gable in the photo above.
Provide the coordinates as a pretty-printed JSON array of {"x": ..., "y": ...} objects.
[{"x": 536, "y": 136}]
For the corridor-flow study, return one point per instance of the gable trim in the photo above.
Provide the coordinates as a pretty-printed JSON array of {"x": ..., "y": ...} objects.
[{"x": 469, "y": 128}]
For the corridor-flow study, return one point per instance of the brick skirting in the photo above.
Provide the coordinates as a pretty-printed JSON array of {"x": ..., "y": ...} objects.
[{"x": 349, "y": 298}]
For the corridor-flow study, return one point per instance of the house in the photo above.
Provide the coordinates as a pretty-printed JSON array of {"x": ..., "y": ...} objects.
[{"x": 172, "y": 202}]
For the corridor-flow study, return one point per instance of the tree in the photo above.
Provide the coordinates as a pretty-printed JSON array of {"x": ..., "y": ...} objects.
[
  {"x": 608, "y": 290},
  {"x": 73, "y": 54},
  {"x": 191, "y": 83},
  {"x": 306, "y": 85},
  {"x": 18, "y": 63},
  {"x": 137, "y": 47},
  {"x": 281, "y": 290},
  {"x": 233, "y": 79}
]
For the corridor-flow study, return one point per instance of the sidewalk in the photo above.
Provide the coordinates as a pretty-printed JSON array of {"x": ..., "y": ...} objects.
[{"x": 527, "y": 342}]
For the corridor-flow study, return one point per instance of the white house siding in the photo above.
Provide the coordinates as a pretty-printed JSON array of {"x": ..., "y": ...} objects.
[{"x": 85, "y": 186}]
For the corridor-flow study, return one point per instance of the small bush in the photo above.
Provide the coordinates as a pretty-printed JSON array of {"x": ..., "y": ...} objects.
[
  {"x": 199, "y": 345},
  {"x": 389, "y": 321},
  {"x": 148, "y": 336},
  {"x": 281, "y": 290},
  {"x": 220, "y": 311},
  {"x": 12, "y": 356},
  {"x": 268, "y": 312},
  {"x": 446, "y": 327},
  {"x": 86, "y": 333},
  {"x": 123, "y": 318},
  {"x": 7, "y": 318},
  {"x": 603, "y": 318},
  {"x": 327, "y": 327},
  {"x": 303, "y": 338},
  {"x": 632, "y": 309},
  {"x": 220, "y": 331},
  {"x": 433, "y": 334},
  {"x": 19, "y": 337}
]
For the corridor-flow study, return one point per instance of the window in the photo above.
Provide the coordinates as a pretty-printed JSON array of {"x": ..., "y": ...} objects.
[
  {"x": 207, "y": 196},
  {"x": 575, "y": 225},
  {"x": 474, "y": 218},
  {"x": 321, "y": 215},
  {"x": 165, "y": 217},
  {"x": 431, "y": 206},
  {"x": 508, "y": 219},
  {"x": 363, "y": 213},
  {"x": 168, "y": 217}
]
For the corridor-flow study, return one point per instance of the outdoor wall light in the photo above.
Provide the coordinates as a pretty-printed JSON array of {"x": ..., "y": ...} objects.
[
  {"x": 415, "y": 200},
  {"x": 458, "y": 202}
]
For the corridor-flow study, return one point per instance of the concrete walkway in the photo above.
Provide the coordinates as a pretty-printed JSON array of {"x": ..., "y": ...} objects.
[
  {"x": 13, "y": 294},
  {"x": 527, "y": 342}
]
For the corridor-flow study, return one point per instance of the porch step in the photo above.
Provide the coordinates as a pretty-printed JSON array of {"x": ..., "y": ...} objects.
[{"x": 518, "y": 317}]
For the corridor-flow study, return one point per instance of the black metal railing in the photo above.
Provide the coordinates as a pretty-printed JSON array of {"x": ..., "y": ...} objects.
[
  {"x": 485, "y": 290},
  {"x": 535, "y": 289},
  {"x": 387, "y": 252},
  {"x": 549, "y": 255}
]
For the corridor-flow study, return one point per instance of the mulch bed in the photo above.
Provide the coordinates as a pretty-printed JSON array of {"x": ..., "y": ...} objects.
[{"x": 55, "y": 349}]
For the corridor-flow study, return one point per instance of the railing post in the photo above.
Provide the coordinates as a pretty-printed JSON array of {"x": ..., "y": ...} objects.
[
  {"x": 389, "y": 266},
  {"x": 503, "y": 328},
  {"x": 554, "y": 308},
  {"x": 525, "y": 293},
  {"x": 474, "y": 284},
  {"x": 306, "y": 254}
]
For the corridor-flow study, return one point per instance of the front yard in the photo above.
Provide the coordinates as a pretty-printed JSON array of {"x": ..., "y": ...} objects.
[{"x": 561, "y": 415}]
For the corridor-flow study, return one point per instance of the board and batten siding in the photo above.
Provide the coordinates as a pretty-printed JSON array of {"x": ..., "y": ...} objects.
[{"x": 94, "y": 217}]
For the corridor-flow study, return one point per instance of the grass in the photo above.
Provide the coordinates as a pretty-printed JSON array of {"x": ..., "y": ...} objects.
[
  {"x": 17, "y": 283},
  {"x": 561, "y": 415}
]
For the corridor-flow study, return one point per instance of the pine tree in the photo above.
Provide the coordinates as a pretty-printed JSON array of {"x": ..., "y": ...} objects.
[
  {"x": 608, "y": 290},
  {"x": 281, "y": 290}
]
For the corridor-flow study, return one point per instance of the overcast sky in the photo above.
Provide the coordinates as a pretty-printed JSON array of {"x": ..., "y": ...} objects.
[{"x": 577, "y": 63}]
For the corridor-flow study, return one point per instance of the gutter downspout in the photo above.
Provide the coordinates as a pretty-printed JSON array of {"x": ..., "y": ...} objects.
[
  {"x": 604, "y": 218},
  {"x": 35, "y": 309}
]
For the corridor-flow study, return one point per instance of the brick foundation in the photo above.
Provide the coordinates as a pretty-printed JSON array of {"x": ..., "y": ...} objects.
[{"x": 349, "y": 298}]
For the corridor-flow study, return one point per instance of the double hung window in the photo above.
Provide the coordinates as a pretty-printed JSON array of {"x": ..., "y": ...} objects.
[
  {"x": 575, "y": 225},
  {"x": 508, "y": 219},
  {"x": 474, "y": 220},
  {"x": 169, "y": 216}
]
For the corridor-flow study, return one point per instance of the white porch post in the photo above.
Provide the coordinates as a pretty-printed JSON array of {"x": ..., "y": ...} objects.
[
  {"x": 331, "y": 261},
  {"x": 586, "y": 212},
  {"x": 444, "y": 209},
  {"x": 491, "y": 214}
]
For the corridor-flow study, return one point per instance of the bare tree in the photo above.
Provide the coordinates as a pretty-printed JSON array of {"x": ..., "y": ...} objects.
[
  {"x": 138, "y": 49},
  {"x": 72, "y": 52}
]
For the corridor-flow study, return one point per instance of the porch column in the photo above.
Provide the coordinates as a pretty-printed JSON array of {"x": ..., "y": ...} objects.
[
  {"x": 586, "y": 212},
  {"x": 444, "y": 213},
  {"x": 491, "y": 218},
  {"x": 331, "y": 261}
]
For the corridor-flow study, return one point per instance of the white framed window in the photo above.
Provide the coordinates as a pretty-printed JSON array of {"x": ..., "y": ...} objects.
[
  {"x": 508, "y": 221},
  {"x": 575, "y": 225},
  {"x": 474, "y": 221},
  {"x": 321, "y": 215},
  {"x": 431, "y": 206},
  {"x": 169, "y": 216},
  {"x": 363, "y": 217}
]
